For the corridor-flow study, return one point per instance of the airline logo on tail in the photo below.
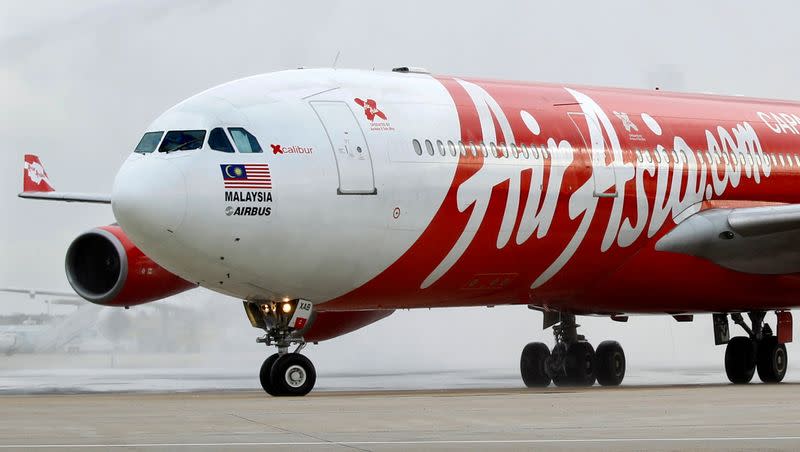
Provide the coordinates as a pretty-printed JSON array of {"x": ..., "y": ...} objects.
[{"x": 34, "y": 176}]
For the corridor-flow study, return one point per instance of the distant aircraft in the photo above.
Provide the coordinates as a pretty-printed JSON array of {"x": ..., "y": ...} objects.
[
  {"x": 325, "y": 199},
  {"x": 50, "y": 337}
]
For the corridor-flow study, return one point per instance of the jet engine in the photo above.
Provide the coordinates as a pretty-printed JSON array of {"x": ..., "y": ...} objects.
[{"x": 106, "y": 268}]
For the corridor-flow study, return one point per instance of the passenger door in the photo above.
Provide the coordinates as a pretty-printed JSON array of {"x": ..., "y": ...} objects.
[
  {"x": 353, "y": 159},
  {"x": 602, "y": 158}
]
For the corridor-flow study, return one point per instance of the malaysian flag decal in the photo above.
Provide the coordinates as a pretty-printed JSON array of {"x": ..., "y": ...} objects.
[{"x": 254, "y": 176}]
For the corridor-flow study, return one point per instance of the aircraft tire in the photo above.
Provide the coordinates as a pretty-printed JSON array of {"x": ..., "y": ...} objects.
[
  {"x": 532, "y": 365},
  {"x": 264, "y": 374},
  {"x": 293, "y": 375},
  {"x": 582, "y": 364},
  {"x": 740, "y": 360},
  {"x": 772, "y": 360},
  {"x": 610, "y": 363}
]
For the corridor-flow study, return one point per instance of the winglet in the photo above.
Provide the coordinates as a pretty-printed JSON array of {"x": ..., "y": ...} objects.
[{"x": 34, "y": 176}]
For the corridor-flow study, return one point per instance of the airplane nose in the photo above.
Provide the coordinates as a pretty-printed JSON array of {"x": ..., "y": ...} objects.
[{"x": 149, "y": 197}]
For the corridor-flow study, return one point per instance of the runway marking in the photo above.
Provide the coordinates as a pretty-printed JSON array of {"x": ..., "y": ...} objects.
[{"x": 401, "y": 443}]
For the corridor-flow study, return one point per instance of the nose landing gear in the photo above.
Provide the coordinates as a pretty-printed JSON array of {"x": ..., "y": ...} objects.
[
  {"x": 283, "y": 373},
  {"x": 573, "y": 361}
]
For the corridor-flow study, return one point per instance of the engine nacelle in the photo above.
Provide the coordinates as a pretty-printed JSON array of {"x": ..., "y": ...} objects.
[{"x": 106, "y": 268}]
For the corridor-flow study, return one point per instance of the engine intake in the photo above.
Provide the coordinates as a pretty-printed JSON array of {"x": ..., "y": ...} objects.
[{"x": 104, "y": 267}]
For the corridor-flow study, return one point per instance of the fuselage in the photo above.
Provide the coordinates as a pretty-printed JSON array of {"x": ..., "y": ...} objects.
[{"x": 403, "y": 190}]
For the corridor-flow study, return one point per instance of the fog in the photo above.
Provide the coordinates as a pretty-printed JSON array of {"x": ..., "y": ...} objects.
[{"x": 79, "y": 81}]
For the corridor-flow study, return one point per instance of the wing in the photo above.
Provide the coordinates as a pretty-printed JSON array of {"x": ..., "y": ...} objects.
[
  {"x": 762, "y": 240},
  {"x": 33, "y": 293},
  {"x": 36, "y": 185},
  {"x": 62, "y": 297}
]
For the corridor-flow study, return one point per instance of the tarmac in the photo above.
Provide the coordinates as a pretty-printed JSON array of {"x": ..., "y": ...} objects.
[{"x": 673, "y": 417}]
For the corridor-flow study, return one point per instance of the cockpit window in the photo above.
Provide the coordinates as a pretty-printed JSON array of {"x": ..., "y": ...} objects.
[
  {"x": 182, "y": 140},
  {"x": 148, "y": 142},
  {"x": 244, "y": 140},
  {"x": 218, "y": 141}
]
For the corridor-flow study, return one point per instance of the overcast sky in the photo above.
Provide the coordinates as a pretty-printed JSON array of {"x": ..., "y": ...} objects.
[{"x": 80, "y": 80}]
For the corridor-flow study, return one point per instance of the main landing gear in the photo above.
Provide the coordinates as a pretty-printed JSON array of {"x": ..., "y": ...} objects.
[
  {"x": 284, "y": 373},
  {"x": 760, "y": 351},
  {"x": 573, "y": 361}
]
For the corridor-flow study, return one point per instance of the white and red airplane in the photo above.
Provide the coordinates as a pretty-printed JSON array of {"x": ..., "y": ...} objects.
[{"x": 325, "y": 199}]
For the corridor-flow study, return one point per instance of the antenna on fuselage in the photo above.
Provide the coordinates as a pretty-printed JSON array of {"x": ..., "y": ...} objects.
[{"x": 336, "y": 60}]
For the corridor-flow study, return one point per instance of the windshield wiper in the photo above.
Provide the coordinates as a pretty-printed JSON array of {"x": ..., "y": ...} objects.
[{"x": 179, "y": 148}]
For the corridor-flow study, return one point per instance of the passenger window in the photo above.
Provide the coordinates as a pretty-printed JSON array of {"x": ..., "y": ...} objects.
[
  {"x": 797, "y": 159},
  {"x": 440, "y": 145},
  {"x": 639, "y": 155},
  {"x": 493, "y": 149},
  {"x": 417, "y": 146},
  {"x": 462, "y": 149},
  {"x": 452, "y": 148},
  {"x": 473, "y": 149},
  {"x": 525, "y": 152},
  {"x": 244, "y": 140},
  {"x": 182, "y": 140},
  {"x": 774, "y": 160},
  {"x": 483, "y": 150},
  {"x": 535, "y": 152},
  {"x": 780, "y": 156},
  {"x": 514, "y": 150},
  {"x": 148, "y": 142},
  {"x": 218, "y": 141},
  {"x": 501, "y": 150},
  {"x": 429, "y": 147}
]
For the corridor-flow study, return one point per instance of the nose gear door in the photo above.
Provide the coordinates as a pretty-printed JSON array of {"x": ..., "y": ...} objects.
[{"x": 353, "y": 159}]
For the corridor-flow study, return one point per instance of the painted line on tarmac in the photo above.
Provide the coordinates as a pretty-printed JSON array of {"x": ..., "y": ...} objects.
[{"x": 404, "y": 443}]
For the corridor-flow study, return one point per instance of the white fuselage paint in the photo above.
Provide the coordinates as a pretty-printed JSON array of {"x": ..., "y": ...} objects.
[{"x": 316, "y": 243}]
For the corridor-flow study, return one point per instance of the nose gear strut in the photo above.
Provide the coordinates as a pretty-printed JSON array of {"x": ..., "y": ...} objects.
[{"x": 283, "y": 373}]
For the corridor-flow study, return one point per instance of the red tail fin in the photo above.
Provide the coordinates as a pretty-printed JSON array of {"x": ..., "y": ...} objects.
[{"x": 34, "y": 176}]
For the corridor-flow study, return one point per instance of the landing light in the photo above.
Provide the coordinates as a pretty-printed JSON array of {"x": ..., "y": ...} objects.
[{"x": 286, "y": 308}]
